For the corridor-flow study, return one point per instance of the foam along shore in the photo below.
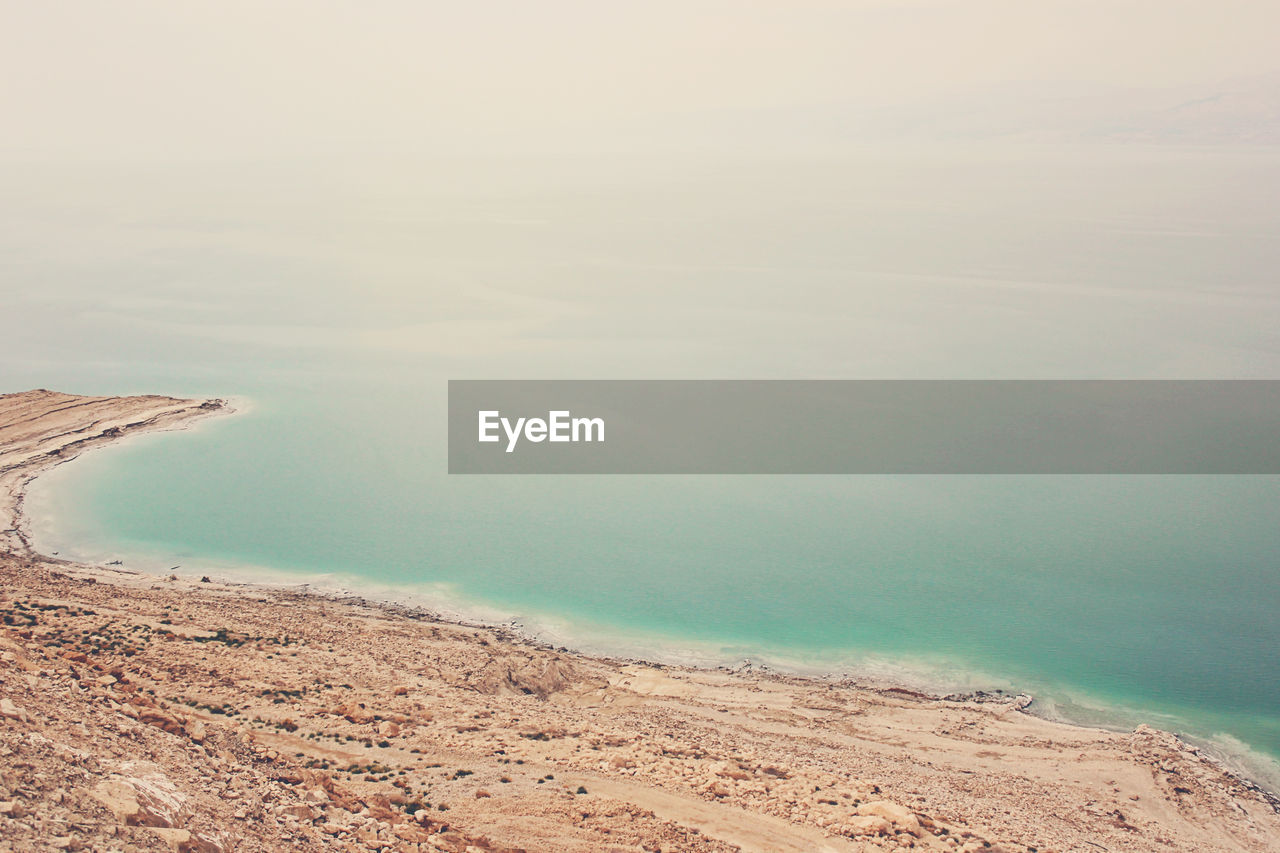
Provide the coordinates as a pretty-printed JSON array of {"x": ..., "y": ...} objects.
[{"x": 170, "y": 714}]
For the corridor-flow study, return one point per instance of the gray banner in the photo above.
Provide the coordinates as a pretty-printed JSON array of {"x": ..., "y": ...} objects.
[{"x": 864, "y": 427}]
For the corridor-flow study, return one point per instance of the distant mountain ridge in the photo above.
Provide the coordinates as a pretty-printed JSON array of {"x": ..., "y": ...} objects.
[{"x": 1238, "y": 111}]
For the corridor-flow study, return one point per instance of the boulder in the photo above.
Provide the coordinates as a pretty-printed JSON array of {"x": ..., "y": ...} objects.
[
  {"x": 142, "y": 799},
  {"x": 901, "y": 817},
  {"x": 518, "y": 675},
  {"x": 161, "y": 720},
  {"x": 195, "y": 730},
  {"x": 868, "y": 825}
]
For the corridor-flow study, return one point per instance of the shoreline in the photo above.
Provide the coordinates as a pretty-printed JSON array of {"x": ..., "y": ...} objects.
[
  {"x": 903, "y": 683},
  {"x": 169, "y": 413},
  {"x": 1259, "y": 770},
  {"x": 457, "y": 614}
]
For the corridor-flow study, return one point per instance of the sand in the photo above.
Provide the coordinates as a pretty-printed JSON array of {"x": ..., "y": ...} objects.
[{"x": 157, "y": 713}]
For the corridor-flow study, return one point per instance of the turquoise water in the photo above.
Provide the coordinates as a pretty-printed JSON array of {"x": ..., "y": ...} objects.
[{"x": 337, "y": 303}]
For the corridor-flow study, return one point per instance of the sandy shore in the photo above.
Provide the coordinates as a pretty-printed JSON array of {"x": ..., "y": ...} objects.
[{"x": 150, "y": 713}]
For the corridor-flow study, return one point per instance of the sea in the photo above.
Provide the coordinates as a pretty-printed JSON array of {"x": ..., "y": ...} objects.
[{"x": 330, "y": 300}]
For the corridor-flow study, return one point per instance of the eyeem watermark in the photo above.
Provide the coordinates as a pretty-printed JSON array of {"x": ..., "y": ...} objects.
[
  {"x": 558, "y": 426},
  {"x": 865, "y": 427}
]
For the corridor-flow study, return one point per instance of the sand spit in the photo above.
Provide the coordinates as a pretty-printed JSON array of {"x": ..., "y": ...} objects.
[{"x": 152, "y": 713}]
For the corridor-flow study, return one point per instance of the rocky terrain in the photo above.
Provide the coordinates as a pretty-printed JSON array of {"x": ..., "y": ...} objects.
[{"x": 164, "y": 713}]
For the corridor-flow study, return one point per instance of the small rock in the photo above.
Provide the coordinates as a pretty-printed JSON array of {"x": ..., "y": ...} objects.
[
  {"x": 12, "y": 711},
  {"x": 299, "y": 810},
  {"x": 409, "y": 832},
  {"x": 179, "y": 840}
]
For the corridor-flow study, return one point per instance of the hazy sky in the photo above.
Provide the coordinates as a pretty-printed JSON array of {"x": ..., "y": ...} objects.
[{"x": 258, "y": 77}]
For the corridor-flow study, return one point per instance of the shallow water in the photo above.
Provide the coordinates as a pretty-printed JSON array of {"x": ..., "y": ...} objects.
[{"x": 338, "y": 300}]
